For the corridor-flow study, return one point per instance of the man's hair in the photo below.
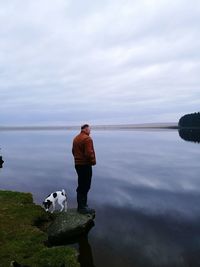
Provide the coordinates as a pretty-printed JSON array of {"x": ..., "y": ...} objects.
[{"x": 84, "y": 126}]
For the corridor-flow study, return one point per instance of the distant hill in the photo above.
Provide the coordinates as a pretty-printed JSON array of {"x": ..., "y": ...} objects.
[{"x": 190, "y": 120}]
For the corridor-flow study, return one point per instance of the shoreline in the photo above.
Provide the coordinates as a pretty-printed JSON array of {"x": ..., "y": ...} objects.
[
  {"x": 144, "y": 126},
  {"x": 27, "y": 244}
]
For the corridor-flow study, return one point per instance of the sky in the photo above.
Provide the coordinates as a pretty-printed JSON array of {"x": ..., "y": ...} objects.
[{"x": 70, "y": 62}]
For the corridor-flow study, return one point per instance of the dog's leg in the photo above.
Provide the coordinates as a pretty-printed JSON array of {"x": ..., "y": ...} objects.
[
  {"x": 65, "y": 205},
  {"x": 62, "y": 207},
  {"x": 60, "y": 202},
  {"x": 53, "y": 205}
]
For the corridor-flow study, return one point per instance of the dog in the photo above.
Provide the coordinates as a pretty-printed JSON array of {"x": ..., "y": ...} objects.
[{"x": 60, "y": 197}]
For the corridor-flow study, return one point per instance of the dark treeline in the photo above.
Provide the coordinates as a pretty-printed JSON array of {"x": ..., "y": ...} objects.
[
  {"x": 189, "y": 127},
  {"x": 190, "y": 120},
  {"x": 192, "y": 135}
]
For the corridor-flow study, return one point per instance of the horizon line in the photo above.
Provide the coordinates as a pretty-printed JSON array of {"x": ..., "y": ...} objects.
[{"x": 161, "y": 125}]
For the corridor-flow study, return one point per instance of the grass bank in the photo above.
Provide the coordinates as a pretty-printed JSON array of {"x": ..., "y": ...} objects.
[{"x": 22, "y": 235}]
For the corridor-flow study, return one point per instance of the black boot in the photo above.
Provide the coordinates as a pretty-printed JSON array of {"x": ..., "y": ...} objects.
[
  {"x": 80, "y": 201},
  {"x": 86, "y": 205},
  {"x": 86, "y": 210},
  {"x": 82, "y": 205},
  {"x": 85, "y": 200}
]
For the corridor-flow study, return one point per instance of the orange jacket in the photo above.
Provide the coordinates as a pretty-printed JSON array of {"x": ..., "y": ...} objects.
[{"x": 83, "y": 150}]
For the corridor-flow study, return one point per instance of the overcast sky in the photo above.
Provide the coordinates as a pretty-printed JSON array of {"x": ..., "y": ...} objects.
[{"x": 108, "y": 61}]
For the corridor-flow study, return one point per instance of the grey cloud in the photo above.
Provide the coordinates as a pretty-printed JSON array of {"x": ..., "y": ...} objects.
[{"x": 98, "y": 59}]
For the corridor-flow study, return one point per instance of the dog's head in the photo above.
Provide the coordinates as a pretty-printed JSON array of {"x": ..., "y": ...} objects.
[{"x": 47, "y": 204}]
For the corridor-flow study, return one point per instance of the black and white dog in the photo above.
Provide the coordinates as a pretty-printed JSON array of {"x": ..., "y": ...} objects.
[{"x": 60, "y": 197}]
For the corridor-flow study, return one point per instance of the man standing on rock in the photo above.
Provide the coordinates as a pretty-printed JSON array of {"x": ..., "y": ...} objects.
[{"x": 84, "y": 158}]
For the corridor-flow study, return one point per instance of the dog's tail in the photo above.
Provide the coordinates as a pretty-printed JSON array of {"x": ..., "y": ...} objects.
[{"x": 63, "y": 191}]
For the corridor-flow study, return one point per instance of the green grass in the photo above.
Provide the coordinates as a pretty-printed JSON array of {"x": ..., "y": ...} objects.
[{"x": 21, "y": 240}]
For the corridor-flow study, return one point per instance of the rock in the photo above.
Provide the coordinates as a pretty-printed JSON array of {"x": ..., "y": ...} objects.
[
  {"x": 68, "y": 226},
  {"x": 1, "y": 162}
]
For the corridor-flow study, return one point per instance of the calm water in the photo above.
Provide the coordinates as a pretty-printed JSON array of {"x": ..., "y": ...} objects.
[{"x": 145, "y": 189}]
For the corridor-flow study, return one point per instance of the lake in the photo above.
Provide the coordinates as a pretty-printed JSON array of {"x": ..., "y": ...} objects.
[{"x": 145, "y": 190}]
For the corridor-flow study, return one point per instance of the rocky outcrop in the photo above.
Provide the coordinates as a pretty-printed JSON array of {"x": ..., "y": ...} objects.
[
  {"x": 68, "y": 226},
  {"x": 29, "y": 234}
]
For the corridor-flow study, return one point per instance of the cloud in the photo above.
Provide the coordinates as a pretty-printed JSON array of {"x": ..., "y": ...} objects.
[{"x": 111, "y": 61}]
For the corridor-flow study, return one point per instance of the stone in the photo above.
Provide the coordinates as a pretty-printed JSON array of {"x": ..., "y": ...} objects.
[{"x": 68, "y": 226}]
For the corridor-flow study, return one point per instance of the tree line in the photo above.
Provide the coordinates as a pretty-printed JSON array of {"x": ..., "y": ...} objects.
[{"x": 190, "y": 120}]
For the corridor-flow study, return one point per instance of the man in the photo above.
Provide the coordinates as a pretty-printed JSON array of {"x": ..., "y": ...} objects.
[{"x": 84, "y": 158}]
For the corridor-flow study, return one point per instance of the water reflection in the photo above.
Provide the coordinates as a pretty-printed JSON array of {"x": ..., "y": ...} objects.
[
  {"x": 85, "y": 257},
  {"x": 192, "y": 135},
  {"x": 146, "y": 239}
]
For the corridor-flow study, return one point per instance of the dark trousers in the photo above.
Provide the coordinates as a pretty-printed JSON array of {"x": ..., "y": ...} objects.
[{"x": 84, "y": 182}]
